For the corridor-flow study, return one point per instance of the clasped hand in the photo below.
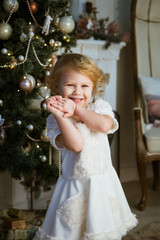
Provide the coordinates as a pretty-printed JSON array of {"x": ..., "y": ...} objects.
[{"x": 56, "y": 104}]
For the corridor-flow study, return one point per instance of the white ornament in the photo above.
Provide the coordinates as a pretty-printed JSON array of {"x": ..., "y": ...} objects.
[
  {"x": 31, "y": 34},
  {"x": 59, "y": 44},
  {"x": 19, "y": 122},
  {"x": 4, "y": 51},
  {"x": 44, "y": 106},
  {"x": 46, "y": 25},
  {"x": 47, "y": 73},
  {"x": 43, "y": 158},
  {"x": 21, "y": 58},
  {"x": 30, "y": 127},
  {"x": 66, "y": 24}
]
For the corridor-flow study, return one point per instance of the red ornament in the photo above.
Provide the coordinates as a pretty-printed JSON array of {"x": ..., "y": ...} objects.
[{"x": 34, "y": 7}]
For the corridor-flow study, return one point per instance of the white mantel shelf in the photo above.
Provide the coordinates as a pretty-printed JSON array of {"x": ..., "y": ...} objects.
[{"x": 98, "y": 49}]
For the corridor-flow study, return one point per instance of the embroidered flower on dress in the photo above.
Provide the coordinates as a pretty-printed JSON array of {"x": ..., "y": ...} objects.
[
  {"x": 92, "y": 160},
  {"x": 73, "y": 212}
]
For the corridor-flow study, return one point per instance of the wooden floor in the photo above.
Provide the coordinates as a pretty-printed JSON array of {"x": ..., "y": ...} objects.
[{"x": 152, "y": 211}]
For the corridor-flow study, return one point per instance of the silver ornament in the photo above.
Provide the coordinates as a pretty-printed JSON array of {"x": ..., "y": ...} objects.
[
  {"x": 51, "y": 42},
  {"x": 1, "y": 120},
  {"x": 19, "y": 123},
  {"x": 43, "y": 158},
  {"x": 66, "y": 24},
  {"x": 47, "y": 73},
  {"x": 27, "y": 83},
  {"x": 44, "y": 106},
  {"x": 21, "y": 58},
  {"x": 31, "y": 34},
  {"x": 43, "y": 94},
  {"x": 44, "y": 136},
  {"x": 4, "y": 51},
  {"x": 23, "y": 37},
  {"x": 30, "y": 127},
  {"x": 59, "y": 44},
  {"x": 8, "y": 5},
  {"x": 5, "y": 31}
]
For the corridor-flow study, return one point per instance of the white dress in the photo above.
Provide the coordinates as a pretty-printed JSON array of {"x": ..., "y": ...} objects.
[{"x": 88, "y": 202}]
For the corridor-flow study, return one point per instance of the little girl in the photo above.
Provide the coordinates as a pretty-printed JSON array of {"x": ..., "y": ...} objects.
[{"x": 88, "y": 202}]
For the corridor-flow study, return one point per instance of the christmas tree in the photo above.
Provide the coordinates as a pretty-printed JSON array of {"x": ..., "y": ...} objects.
[{"x": 32, "y": 33}]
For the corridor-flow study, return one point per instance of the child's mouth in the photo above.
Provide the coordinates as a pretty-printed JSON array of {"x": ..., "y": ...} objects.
[{"x": 77, "y": 100}]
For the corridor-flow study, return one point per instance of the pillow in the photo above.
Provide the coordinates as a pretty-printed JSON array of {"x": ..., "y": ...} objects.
[{"x": 151, "y": 92}]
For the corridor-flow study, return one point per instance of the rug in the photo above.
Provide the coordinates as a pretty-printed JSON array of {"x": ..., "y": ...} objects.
[{"x": 151, "y": 232}]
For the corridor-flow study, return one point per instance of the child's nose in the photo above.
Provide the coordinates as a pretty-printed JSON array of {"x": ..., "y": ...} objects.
[{"x": 78, "y": 90}]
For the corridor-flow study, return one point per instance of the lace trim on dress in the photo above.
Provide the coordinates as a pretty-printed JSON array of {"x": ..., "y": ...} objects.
[
  {"x": 73, "y": 212},
  {"x": 120, "y": 232},
  {"x": 40, "y": 235}
]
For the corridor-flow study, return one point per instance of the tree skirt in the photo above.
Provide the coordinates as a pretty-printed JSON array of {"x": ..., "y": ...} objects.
[{"x": 151, "y": 232}]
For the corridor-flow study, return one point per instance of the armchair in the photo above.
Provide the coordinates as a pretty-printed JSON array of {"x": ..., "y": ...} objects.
[{"x": 145, "y": 25}]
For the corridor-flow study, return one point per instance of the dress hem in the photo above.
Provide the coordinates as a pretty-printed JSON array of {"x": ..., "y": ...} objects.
[{"x": 112, "y": 235}]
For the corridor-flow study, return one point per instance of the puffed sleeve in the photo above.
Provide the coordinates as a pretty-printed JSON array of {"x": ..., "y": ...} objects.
[
  {"x": 102, "y": 107},
  {"x": 53, "y": 130}
]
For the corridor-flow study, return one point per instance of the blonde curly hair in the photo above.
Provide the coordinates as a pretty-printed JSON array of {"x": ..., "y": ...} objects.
[{"x": 80, "y": 63}]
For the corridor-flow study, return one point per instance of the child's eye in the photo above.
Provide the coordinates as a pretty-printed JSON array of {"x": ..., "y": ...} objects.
[
  {"x": 69, "y": 84},
  {"x": 84, "y": 85}
]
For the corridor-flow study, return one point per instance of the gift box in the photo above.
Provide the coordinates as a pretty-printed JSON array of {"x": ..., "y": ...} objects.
[
  {"x": 13, "y": 228},
  {"x": 14, "y": 223}
]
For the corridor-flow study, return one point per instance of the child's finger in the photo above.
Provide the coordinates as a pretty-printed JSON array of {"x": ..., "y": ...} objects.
[{"x": 58, "y": 106}]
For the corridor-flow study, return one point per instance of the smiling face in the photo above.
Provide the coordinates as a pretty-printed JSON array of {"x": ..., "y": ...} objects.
[{"x": 75, "y": 86}]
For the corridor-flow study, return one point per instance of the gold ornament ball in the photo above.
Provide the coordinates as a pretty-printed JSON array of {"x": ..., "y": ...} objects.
[
  {"x": 1, "y": 103},
  {"x": 44, "y": 136},
  {"x": 66, "y": 24},
  {"x": 5, "y": 31},
  {"x": 51, "y": 42},
  {"x": 8, "y": 5},
  {"x": 56, "y": 21}
]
